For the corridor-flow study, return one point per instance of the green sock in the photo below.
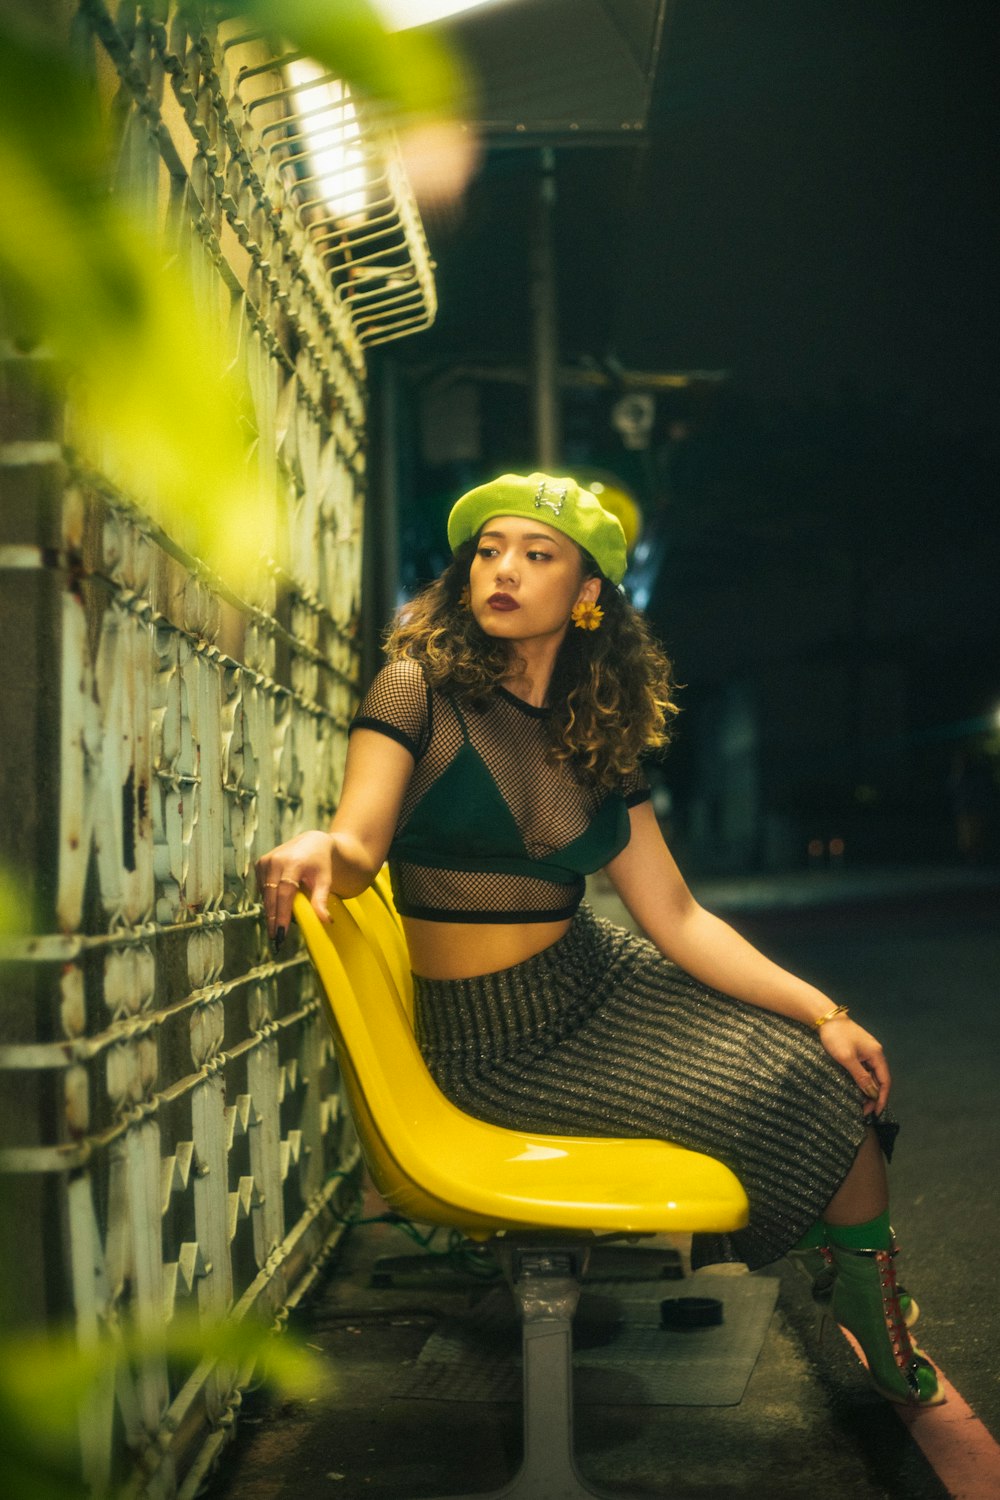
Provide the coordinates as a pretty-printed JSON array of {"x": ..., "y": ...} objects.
[
  {"x": 814, "y": 1237},
  {"x": 875, "y": 1234}
]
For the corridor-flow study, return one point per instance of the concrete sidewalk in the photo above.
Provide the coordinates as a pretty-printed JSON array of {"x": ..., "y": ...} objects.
[{"x": 803, "y": 1428}]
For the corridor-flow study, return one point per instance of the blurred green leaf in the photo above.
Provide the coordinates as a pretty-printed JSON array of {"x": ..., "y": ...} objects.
[
  {"x": 15, "y": 921},
  {"x": 46, "y": 1376},
  {"x": 47, "y": 1379},
  {"x": 414, "y": 72},
  {"x": 30, "y": 1470},
  {"x": 158, "y": 401},
  {"x": 159, "y": 404}
]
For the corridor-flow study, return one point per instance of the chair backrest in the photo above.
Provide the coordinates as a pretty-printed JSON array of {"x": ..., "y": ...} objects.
[
  {"x": 375, "y": 913},
  {"x": 392, "y": 1097}
]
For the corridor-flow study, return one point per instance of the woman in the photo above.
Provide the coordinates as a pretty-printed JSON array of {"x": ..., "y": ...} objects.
[{"x": 495, "y": 762}]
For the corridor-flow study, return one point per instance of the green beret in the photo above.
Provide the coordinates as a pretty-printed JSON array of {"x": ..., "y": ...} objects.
[{"x": 559, "y": 503}]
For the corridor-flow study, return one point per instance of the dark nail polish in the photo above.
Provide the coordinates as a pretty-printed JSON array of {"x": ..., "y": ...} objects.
[{"x": 279, "y": 938}]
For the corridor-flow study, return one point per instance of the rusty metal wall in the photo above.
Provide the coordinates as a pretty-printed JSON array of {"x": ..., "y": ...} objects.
[{"x": 173, "y": 1134}]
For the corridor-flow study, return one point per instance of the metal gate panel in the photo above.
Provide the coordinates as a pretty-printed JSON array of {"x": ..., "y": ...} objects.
[{"x": 174, "y": 1138}]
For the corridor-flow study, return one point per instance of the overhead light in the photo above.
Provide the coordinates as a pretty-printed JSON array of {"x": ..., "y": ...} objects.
[
  {"x": 401, "y": 15},
  {"x": 333, "y": 139}
]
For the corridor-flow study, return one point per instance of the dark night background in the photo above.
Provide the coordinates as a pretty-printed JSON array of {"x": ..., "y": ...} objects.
[{"x": 812, "y": 214}]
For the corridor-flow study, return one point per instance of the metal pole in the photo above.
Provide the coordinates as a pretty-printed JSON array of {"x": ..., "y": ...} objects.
[
  {"x": 380, "y": 551},
  {"x": 545, "y": 333}
]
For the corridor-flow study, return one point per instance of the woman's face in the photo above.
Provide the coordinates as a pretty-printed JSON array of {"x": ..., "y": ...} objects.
[{"x": 525, "y": 579}]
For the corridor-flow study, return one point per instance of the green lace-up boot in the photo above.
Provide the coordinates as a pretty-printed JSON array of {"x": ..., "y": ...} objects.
[
  {"x": 865, "y": 1301},
  {"x": 816, "y": 1262}
]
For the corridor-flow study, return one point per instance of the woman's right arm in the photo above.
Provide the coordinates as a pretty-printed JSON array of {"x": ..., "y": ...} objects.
[{"x": 346, "y": 860}]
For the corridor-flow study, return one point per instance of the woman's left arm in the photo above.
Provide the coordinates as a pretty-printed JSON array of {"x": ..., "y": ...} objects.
[{"x": 657, "y": 897}]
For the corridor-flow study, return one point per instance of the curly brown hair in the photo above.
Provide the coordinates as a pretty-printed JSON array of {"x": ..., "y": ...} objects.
[{"x": 611, "y": 691}]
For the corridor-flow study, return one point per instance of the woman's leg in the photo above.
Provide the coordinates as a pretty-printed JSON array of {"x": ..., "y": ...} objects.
[
  {"x": 864, "y": 1295},
  {"x": 864, "y": 1192},
  {"x": 861, "y": 1201}
]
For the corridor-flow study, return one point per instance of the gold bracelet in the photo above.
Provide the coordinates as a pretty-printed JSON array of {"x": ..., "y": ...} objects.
[{"x": 831, "y": 1015}]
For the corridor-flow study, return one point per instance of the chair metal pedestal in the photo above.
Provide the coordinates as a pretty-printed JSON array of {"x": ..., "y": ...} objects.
[{"x": 545, "y": 1274}]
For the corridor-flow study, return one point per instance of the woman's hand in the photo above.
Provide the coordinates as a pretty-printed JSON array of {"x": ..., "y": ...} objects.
[
  {"x": 861, "y": 1055},
  {"x": 347, "y": 859},
  {"x": 305, "y": 862}
]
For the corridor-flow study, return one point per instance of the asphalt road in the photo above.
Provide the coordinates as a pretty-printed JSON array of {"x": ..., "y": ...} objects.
[{"x": 923, "y": 974}]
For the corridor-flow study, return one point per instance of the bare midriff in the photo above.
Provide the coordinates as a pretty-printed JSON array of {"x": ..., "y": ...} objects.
[{"x": 461, "y": 950}]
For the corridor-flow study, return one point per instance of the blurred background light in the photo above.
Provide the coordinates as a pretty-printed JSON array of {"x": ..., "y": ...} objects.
[
  {"x": 332, "y": 138},
  {"x": 399, "y": 15}
]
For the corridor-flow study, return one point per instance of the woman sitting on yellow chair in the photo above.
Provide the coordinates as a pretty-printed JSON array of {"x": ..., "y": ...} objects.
[{"x": 496, "y": 762}]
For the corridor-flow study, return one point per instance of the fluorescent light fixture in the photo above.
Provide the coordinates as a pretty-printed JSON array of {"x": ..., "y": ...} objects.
[
  {"x": 332, "y": 138},
  {"x": 401, "y": 15}
]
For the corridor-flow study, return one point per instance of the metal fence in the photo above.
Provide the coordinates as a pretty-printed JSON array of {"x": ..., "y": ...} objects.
[{"x": 172, "y": 1125}]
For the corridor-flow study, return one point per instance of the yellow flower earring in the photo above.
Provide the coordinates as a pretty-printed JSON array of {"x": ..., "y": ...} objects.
[
  {"x": 586, "y": 616},
  {"x": 465, "y": 598}
]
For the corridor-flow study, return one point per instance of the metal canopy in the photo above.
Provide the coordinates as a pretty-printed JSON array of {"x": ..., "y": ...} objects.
[{"x": 560, "y": 72}]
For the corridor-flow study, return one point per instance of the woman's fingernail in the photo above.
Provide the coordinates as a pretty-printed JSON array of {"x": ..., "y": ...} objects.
[
  {"x": 871, "y": 1090},
  {"x": 279, "y": 938}
]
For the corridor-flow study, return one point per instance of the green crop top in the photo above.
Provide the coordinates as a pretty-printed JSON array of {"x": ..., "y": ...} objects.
[{"x": 492, "y": 829}]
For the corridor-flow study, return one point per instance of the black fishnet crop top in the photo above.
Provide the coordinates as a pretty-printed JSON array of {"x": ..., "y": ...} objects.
[{"x": 491, "y": 828}]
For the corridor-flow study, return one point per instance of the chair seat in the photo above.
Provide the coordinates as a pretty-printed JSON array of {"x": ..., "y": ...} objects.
[{"x": 438, "y": 1165}]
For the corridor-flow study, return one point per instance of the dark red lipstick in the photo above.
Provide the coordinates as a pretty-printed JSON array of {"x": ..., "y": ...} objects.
[{"x": 502, "y": 602}]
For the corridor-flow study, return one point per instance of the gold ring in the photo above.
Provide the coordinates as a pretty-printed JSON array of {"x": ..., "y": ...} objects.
[
  {"x": 285, "y": 880},
  {"x": 271, "y": 885}
]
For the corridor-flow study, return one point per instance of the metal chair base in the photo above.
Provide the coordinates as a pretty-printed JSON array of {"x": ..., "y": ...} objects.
[{"x": 545, "y": 1276}]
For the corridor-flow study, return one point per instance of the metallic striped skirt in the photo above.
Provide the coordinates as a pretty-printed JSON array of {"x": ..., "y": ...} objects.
[{"x": 601, "y": 1035}]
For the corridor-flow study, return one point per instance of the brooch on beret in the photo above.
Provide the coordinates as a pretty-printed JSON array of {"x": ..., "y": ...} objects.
[{"x": 556, "y": 505}]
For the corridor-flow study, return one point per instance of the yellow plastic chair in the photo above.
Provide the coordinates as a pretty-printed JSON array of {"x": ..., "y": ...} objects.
[{"x": 540, "y": 1199}]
